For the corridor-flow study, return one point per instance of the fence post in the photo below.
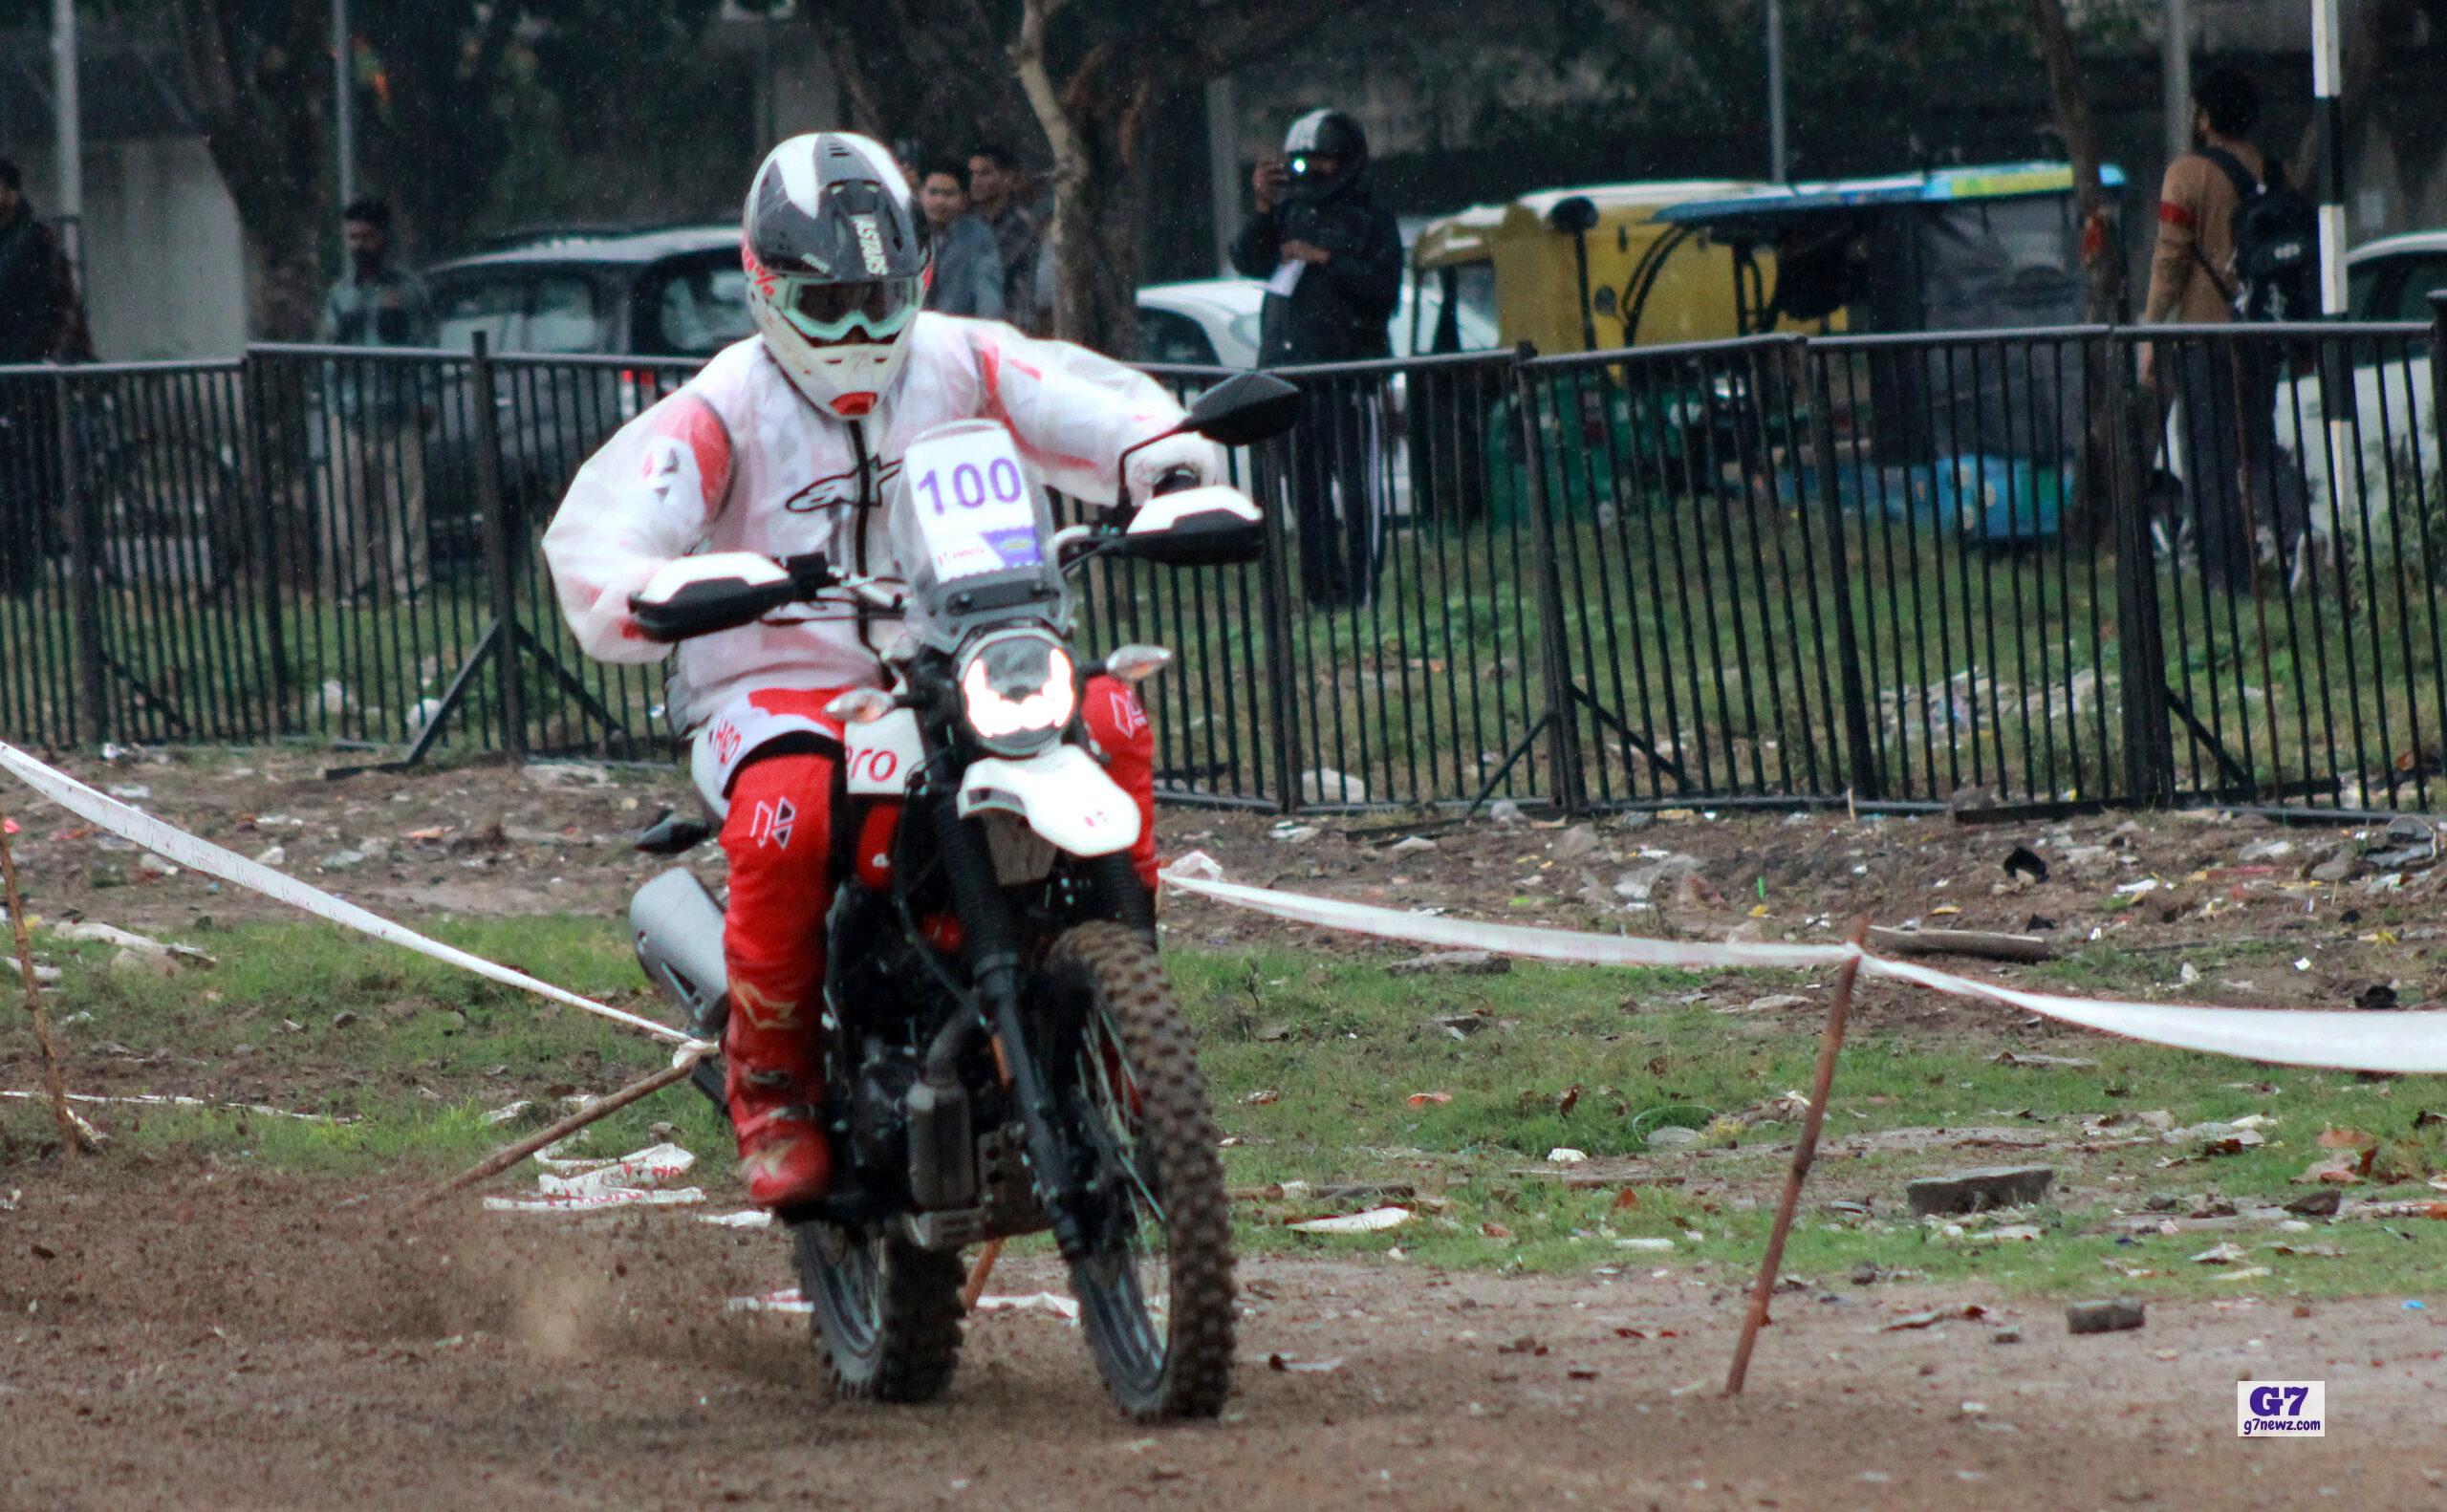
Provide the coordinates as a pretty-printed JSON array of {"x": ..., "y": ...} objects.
[
  {"x": 1274, "y": 607},
  {"x": 1563, "y": 731},
  {"x": 2141, "y": 655},
  {"x": 267, "y": 512},
  {"x": 85, "y": 577},
  {"x": 1862, "y": 767},
  {"x": 497, "y": 557}
]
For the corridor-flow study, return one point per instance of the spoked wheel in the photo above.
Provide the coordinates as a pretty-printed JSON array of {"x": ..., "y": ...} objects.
[
  {"x": 887, "y": 1313},
  {"x": 1155, "y": 1289}
]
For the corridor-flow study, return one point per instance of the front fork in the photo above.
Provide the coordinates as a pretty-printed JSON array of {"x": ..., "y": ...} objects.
[{"x": 990, "y": 938}]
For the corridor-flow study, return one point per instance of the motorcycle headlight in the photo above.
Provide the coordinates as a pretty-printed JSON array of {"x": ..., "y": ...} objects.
[{"x": 1018, "y": 690}]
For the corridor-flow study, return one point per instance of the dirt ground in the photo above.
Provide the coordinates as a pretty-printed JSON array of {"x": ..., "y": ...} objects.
[
  {"x": 197, "y": 1335},
  {"x": 183, "y": 1338}
]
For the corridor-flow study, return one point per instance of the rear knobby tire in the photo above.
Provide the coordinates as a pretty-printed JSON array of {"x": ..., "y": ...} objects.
[
  {"x": 1178, "y": 1364},
  {"x": 887, "y": 1313}
]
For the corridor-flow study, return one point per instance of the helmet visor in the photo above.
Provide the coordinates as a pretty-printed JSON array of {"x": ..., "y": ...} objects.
[{"x": 828, "y": 313}]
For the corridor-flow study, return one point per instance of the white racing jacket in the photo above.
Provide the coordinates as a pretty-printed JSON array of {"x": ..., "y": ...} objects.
[{"x": 738, "y": 461}]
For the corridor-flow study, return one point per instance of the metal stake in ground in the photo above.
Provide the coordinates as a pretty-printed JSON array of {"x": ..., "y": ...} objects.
[
  {"x": 71, "y": 1134},
  {"x": 503, "y": 1160},
  {"x": 1829, "y": 1044}
]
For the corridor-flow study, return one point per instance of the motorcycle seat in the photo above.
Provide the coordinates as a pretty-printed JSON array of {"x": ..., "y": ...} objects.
[{"x": 671, "y": 836}]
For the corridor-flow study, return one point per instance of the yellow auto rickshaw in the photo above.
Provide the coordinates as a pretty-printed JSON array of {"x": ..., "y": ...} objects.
[{"x": 1579, "y": 269}]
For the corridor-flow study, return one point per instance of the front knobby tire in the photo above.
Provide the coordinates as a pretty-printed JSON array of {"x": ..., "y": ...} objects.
[
  {"x": 887, "y": 1313},
  {"x": 1155, "y": 1289}
]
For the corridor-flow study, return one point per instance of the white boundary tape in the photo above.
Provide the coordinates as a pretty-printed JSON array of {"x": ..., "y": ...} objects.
[
  {"x": 203, "y": 855},
  {"x": 2414, "y": 1042}
]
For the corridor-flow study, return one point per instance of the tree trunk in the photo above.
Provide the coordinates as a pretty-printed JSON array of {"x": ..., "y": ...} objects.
[
  {"x": 262, "y": 97},
  {"x": 2101, "y": 255},
  {"x": 2101, "y": 258}
]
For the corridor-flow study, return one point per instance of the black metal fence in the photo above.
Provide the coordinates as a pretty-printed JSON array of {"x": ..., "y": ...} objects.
[{"x": 2070, "y": 566}]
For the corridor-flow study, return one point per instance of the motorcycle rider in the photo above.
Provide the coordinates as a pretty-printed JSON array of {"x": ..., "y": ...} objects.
[{"x": 788, "y": 443}]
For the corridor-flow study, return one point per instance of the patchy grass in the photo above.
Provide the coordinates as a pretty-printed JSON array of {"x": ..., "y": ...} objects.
[{"x": 1313, "y": 1063}]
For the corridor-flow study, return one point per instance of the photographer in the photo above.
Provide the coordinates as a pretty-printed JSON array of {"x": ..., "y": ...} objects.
[{"x": 1332, "y": 263}]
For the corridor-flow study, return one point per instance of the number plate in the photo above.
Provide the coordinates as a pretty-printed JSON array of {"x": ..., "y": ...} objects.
[{"x": 974, "y": 507}]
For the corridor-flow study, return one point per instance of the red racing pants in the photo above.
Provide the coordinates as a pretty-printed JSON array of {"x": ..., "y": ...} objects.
[{"x": 779, "y": 840}]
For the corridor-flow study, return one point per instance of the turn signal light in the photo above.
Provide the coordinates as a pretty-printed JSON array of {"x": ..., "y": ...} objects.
[
  {"x": 1137, "y": 664},
  {"x": 861, "y": 705}
]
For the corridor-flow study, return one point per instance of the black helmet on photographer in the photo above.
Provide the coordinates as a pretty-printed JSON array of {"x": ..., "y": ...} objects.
[{"x": 1325, "y": 152}]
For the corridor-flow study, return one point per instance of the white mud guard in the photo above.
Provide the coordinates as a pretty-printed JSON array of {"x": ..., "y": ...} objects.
[
  {"x": 883, "y": 753},
  {"x": 1063, "y": 795}
]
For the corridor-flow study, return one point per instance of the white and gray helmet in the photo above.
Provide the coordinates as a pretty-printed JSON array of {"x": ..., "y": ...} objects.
[{"x": 838, "y": 259}]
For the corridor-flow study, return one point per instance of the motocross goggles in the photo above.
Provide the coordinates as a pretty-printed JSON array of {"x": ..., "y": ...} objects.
[
  {"x": 1018, "y": 689},
  {"x": 830, "y": 314}
]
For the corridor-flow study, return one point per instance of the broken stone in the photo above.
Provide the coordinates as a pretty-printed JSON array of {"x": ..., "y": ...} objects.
[
  {"x": 558, "y": 776},
  {"x": 154, "y": 962},
  {"x": 1580, "y": 840},
  {"x": 1459, "y": 1026},
  {"x": 1674, "y": 1136},
  {"x": 272, "y": 856},
  {"x": 340, "y": 861},
  {"x": 2321, "y": 1203},
  {"x": 1295, "y": 832},
  {"x": 2336, "y": 867},
  {"x": 2106, "y": 1317},
  {"x": 1778, "y": 1002},
  {"x": 1325, "y": 785},
  {"x": 1504, "y": 811},
  {"x": 1642, "y": 883},
  {"x": 1979, "y": 1190},
  {"x": 344, "y": 1018},
  {"x": 1452, "y": 962},
  {"x": 1411, "y": 846}
]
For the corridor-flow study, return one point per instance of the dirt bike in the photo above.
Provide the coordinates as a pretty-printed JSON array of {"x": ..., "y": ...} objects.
[{"x": 1004, "y": 1054}]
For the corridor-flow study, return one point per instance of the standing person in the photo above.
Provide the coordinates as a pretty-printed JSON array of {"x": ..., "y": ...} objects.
[
  {"x": 2228, "y": 389},
  {"x": 994, "y": 183},
  {"x": 968, "y": 271},
  {"x": 372, "y": 435},
  {"x": 41, "y": 320},
  {"x": 1332, "y": 263}
]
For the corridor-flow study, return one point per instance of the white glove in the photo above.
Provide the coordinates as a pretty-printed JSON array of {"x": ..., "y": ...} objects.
[{"x": 1173, "y": 453}]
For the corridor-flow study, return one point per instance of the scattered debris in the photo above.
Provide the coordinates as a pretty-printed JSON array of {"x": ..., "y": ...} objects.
[
  {"x": 1459, "y": 1025},
  {"x": 1654, "y": 1246},
  {"x": 1452, "y": 962},
  {"x": 2380, "y": 997},
  {"x": 1410, "y": 845},
  {"x": 1423, "y": 1099},
  {"x": 2407, "y": 844},
  {"x": 2219, "y": 1255},
  {"x": 2112, "y": 1316},
  {"x": 1564, "y": 1155},
  {"x": 2023, "y": 862},
  {"x": 2060, "y": 1062},
  {"x": 1277, "y": 1362},
  {"x": 1977, "y": 1190},
  {"x": 1777, "y": 1002},
  {"x": 1370, "y": 1222},
  {"x": 1044, "y": 1302},
  {"x": 1986, "y": 945},
  {"x": 2322, "y": 1203},
  {"x": 1935, "y": 1316}
]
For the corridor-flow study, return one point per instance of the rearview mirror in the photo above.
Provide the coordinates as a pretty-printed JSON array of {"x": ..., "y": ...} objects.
[{"x": 1244, "y": 409}]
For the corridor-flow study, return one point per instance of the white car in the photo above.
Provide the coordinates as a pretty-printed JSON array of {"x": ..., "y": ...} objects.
[
  {"x": 1213, "y": 322},
  {"x": 2390, "y": 279}
]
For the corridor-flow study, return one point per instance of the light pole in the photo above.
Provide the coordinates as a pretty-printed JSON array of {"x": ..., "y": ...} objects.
[
  {"x": 2175, "y": 53},
  {"x": 1776, "y": 159},
  {"x": 2328, "y": 123},
  {"x": 68, "y": 125},
  {"x": 344, "y": 104}
]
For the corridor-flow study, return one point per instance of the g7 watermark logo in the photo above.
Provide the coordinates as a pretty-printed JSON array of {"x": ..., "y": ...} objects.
[{"x": 2287, "y": 1408}]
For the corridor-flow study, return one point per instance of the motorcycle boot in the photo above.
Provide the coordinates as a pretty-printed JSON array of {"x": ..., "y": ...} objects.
[{"x": 778, "y": 836}]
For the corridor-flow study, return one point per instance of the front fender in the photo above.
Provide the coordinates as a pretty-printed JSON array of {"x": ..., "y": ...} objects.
[{"x": 1063, "y": 794}]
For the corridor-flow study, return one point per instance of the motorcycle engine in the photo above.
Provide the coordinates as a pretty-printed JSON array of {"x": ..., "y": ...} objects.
[{"x": 879, "y": 1117}]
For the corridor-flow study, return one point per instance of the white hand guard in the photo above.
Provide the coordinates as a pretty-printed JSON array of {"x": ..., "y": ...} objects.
[{"x": 1152, "y": 462}]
